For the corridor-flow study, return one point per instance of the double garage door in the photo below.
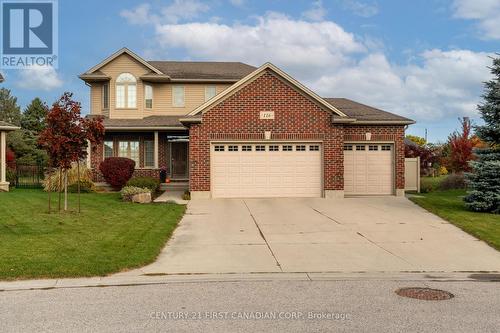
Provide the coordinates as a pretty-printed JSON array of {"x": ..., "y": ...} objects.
[
  {"x": 254, "y": 170},
  {"x": 368, "y": 169}
]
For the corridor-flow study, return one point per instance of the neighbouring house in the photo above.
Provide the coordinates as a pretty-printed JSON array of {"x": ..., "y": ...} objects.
[
  {"x": 4, "y": 128},
  {"x": 234, "y": 130}
]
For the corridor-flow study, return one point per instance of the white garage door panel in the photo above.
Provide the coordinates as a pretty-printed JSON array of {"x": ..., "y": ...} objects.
[
  {"x": 266, "y": 173},
  {"x": 368, "y": 169}
]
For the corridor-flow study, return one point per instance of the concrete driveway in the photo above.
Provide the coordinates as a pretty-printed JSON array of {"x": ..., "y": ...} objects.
[{"x": 375, "y": 234}]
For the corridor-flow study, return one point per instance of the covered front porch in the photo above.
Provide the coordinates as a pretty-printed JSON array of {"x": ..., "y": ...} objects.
[{"x": 153, "y": 148}]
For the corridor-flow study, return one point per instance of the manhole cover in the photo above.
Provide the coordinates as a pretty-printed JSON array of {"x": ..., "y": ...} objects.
[{"x": 426, "y": 294}]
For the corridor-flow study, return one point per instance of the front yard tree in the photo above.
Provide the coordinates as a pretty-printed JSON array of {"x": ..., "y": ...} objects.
[
  {"x": 461, "y": 145},
  {"x": 9, "y": 110},
  {"x": 33, "y": 117},
  {"x": 484, "y": 181},
  {"x": 66, "y": 138}
]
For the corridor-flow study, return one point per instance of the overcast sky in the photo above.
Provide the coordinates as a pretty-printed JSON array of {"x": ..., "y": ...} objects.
[{"x": 422, "y": 59}]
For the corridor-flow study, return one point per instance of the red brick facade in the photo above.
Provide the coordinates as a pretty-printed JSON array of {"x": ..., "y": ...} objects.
[{"x": 297, "y": 117}]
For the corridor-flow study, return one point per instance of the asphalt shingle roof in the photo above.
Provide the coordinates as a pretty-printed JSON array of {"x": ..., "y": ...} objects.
[
  {"x": 203, "y": 70},
  {"x": 363, "y": 112},
  {"x": 151, "y": 121}
]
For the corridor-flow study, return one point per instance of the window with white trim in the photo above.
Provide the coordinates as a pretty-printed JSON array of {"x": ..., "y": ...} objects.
[
  {"x": 129, "y": 149},
  {"x": 149, "y": 154},
  {"x": 210, "y": 92},
  {"x": 108, "y": 149},
  {"x": 148, "y": 96},
  {"x": 260, "y": 148},
  {"x": 300, "y": 148},
  {"x": 246, "y": 148},
  {"x": 287, "y": 148},
  {"x": 126, "y": 91},
  {"x": 219, "y": 148},
  {"x": 274, "y": 148},
  {"x": 105, "y": 96},
  {"x": 314, "y": 148},
  {"x": 232, "y": 148},
  {"x": 178, "y": 96},
  {"x": 372, "y": 147}
]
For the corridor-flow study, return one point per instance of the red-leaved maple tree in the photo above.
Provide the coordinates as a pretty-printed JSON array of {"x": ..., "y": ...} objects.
[
  {"x": 461, "y": 146},
  {"x": 67, "y": 137}
]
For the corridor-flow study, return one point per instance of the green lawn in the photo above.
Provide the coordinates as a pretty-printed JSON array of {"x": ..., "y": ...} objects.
[
  {"x": 449, "y": 205},
  {"x": 108, "y": 236}
]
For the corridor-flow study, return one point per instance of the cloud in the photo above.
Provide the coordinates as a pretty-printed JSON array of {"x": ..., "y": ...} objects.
[
  {"x": 445, "y": 84},
  {"x": 39, "y": 78},
  {"x": 485, "y": 12},
  {"x": 361, "y": 8},
  {"x": 316, "y": 13},
  {"x": 299, "y": 45},
  {"x": 433, "y": 85},
  {"x": 237, "y": 3},
  {"x": 177, "y": 11}
]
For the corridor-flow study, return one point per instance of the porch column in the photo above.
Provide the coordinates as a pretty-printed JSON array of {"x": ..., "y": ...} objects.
[
  {"x": 3, "y": 157},
  {"x": 156, "y": 149}
]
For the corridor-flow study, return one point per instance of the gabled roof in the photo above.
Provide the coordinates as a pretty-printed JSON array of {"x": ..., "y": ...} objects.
[
  {"x": 364, "y": 113},
  {"x": 118, "y": 53},
  {"x": 241, "y": 83}
]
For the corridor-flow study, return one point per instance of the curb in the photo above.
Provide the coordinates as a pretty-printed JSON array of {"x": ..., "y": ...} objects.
[{"x": 139, "y": 280}]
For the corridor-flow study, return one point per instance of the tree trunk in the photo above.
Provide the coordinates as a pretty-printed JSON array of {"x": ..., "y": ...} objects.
[
  {"x": 49, "y": 184},
  {"x": 65, "y": 190},
  {"x": 78, "y": 177},
  {"x": 60, "y": 189}
]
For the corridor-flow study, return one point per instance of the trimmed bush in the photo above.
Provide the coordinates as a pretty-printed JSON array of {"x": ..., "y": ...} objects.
[
  {"x": 129, "y": 191},
  {"x": 117, "y": 171},
  {"x": 145, "y": 182},
  {"x": 453, "y": 182}
]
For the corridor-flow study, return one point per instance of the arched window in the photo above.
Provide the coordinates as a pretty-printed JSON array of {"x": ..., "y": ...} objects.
[{"x": 126, "y": 91}]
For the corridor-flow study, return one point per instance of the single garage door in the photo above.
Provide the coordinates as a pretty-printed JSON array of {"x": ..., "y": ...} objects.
[
  {"x": 253, "y": 170},
  {"x": 368, "y": 169}
]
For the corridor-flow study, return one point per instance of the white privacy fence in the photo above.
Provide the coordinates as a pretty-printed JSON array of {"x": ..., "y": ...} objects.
[{"x": 412, "y": 174}]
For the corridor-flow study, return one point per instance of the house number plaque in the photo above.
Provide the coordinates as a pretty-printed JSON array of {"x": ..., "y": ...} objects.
[{"x": 266, "y": 114}]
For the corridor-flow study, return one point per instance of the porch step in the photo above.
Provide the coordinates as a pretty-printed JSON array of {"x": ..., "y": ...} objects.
[{"x": 175, "y": 186}]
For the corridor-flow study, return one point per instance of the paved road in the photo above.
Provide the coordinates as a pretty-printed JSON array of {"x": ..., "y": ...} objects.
[
  {"x": 361, "y": 306},
  {"x": 370, "y": 234}
]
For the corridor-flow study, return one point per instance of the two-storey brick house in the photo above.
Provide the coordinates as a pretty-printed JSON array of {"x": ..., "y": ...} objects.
[{"x": 234, "y": 130}]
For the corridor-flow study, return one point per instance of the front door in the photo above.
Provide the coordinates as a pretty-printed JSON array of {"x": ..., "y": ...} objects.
[{"x": 179, "y": 159}]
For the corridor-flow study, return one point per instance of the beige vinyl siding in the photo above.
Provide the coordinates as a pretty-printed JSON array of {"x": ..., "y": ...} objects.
[
  {"x": 96, "y": 99},
  {"x": 194, "y": 93}
]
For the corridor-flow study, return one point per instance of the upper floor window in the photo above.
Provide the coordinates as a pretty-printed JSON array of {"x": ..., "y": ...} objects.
[
  {"x": 148, "y": 96},
  {"x": 210, "y": 91},
  {"x": 126, "y": 91},
  {"x": 105, "y": 96},
  {"x": 178, "y": 96}
]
